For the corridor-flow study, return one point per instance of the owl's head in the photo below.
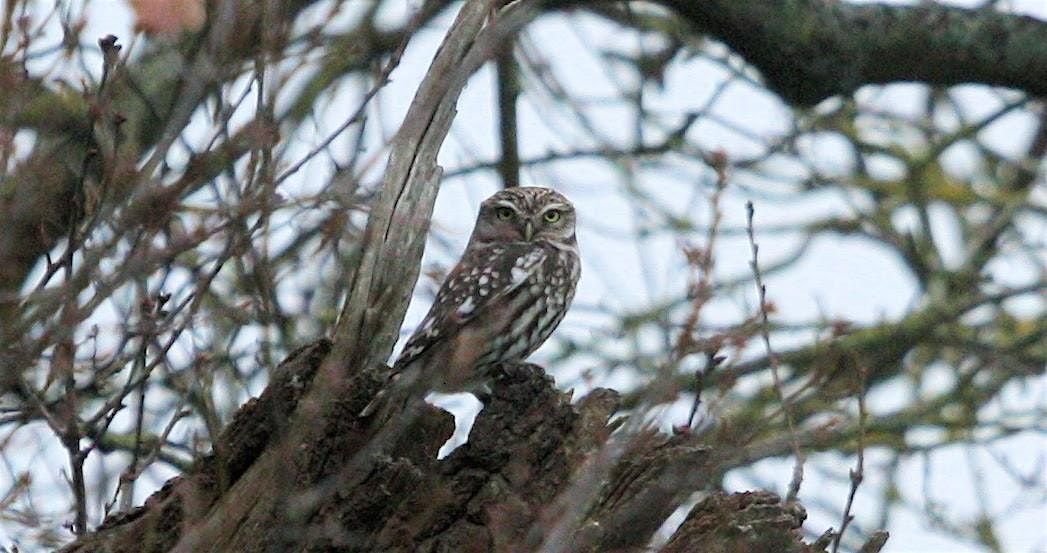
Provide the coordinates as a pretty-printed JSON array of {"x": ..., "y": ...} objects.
[{"x": 525, "y": 214}]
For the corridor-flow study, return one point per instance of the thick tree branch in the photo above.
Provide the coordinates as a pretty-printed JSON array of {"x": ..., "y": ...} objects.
[{"x": 809, "y": 50}]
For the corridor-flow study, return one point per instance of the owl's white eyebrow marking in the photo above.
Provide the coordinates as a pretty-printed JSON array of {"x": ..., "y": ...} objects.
[
  {"x": 510, "y": 205},
  {"x": 556, "y": 206}
]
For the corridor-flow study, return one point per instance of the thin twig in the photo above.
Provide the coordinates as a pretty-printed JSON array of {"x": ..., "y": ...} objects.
[
  {"x": 703, "y": 260},
  {"x": 797, "y": 478},
  {"x": 130, "y": 476},
  {"x": 381, "y": 79},
  {"x": 76, "y": 468},
  {"x": 151, "y": 312},
  {"x": 508, "y": 90},
  {"x": 858, "y": 473}
]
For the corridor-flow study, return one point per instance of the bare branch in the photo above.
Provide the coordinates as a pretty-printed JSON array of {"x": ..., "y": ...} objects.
[{"x": 754, "y": 264}]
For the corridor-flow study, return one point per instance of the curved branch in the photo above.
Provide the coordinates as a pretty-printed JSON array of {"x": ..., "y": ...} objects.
[{"x": 809, "y": 50}]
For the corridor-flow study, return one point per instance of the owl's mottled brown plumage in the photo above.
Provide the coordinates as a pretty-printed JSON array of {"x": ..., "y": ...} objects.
[{"x": 505, "y": 296}]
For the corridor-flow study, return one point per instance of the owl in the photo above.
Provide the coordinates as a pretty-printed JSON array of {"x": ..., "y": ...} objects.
[{"x": 505, "y": 296}]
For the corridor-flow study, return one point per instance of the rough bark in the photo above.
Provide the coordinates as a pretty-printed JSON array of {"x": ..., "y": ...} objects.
[
  {"x": 751, "y": 521},
  {"x": 809, "y": 50},
  {"x": 502, "y": 491}
]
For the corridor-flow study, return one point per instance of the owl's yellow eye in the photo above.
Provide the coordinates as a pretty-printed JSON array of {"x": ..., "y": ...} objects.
[
  {"x": 504, "y": 213},
  {"x": 551, "y": 216}
]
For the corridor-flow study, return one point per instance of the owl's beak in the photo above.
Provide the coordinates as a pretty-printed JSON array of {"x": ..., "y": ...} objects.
[{"x": 528, "y": 231}]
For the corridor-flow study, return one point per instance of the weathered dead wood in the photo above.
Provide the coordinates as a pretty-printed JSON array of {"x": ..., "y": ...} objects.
[
  {"x": 522, "y": 451},
  {"x": 755, "y": 522},
  {"x": 655, "y": 475},
  {"x": 494, "y": 493}
]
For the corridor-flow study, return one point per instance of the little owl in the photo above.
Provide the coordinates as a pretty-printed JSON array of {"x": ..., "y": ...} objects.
[{"x": 505, "y": 296}]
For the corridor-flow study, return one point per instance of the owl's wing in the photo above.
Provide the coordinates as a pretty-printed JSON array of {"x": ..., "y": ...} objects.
[{"x": 484, "y": 277}]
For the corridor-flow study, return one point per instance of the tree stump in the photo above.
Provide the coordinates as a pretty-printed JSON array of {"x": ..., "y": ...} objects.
[{"x": 537, "y": 474}]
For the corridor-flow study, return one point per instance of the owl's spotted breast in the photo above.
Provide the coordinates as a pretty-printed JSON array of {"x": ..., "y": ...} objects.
[
  {"x": 516, "y": 289},
  {"x": 506, "y": 295}
]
